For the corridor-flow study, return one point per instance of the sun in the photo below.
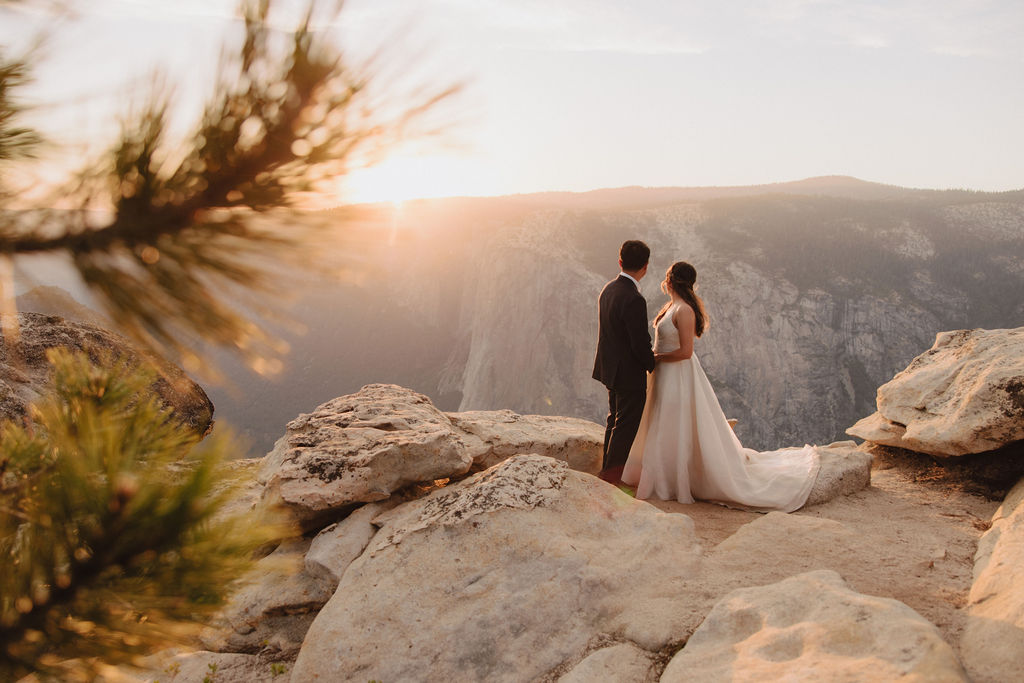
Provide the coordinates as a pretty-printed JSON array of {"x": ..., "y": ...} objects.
[{"x": 401, "y": 178}]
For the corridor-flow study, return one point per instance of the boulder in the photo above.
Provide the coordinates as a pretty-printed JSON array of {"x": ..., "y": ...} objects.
[
  {"x": 621, "y": 662},
  {"x": 365, "y": 446},
  {"x": 25, "y": 372},
  {"x": 992, "y": 645},
  {"x": 361, "y": 448},
  {"x": 273, "y": 610},
  {"x": 844, "y": 470},
  {"x": 813, "y": 627},
  {"x": 336, "y": 546},
  {"x": 494, "y": 435},
  {"x": 964, "y": 395},
  {"x": 505, "y": 576}
]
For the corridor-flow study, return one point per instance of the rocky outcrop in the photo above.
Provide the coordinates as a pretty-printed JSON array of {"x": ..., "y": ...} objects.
[
  {"x": 522, "y": 571},
  {"x": 499, "y": 557},
  {"x": 993, "y": 640},
  {"x": 365, "y": 446},
  {"x": 361, "y": 448},
  {"x": 529, "y": 555},
  {"x": 813, "y": 627},
  {"x": 25, "y": 372},
  {"x": 275, "y": 607},
  {"x": 965, "y": 395},
  {"x": 491, "y": 436},
  {"x": 844, "y": 469},
  {"x": 338, "y": 545},
  {"x": 531, "y": 570}
]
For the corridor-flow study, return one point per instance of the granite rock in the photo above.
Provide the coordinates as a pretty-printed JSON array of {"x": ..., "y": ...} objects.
[
  {"x": 992, "y": 645},
  {"x": 813, "y": 627},
  {"x": 964, "y": 395},
  {"x": 25, "y": 372},
  {"x": 504, "y": 576}
]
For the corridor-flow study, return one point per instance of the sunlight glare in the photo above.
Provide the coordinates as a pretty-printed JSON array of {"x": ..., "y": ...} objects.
[{"x": 402, "y": 178}]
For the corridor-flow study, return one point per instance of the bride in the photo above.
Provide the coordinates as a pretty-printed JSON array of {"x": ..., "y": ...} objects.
[{"x": 685, "y": 448}]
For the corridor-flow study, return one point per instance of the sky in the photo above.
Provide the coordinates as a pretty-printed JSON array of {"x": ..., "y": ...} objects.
[{"x": 586, "y": 94}]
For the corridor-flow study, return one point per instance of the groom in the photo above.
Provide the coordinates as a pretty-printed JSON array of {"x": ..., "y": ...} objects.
[{"x": 624, "y": 356}]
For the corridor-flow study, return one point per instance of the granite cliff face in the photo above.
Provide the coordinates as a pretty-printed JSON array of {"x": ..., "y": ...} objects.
[
  {"x": 818, "y": 292},
  {"x": 814, "y": 302}
]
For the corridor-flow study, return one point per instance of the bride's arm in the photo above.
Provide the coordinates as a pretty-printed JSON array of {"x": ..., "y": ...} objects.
[{"x": 686, "y": 324}]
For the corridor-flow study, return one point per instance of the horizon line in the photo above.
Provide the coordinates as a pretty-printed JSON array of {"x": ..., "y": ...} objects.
[{"x": 847, "y": 179}]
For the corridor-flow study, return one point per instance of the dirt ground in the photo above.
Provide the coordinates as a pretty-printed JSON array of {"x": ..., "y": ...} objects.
[{"x": 904, "y": 537}]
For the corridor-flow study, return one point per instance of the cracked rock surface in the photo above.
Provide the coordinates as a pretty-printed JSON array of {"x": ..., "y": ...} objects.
[
  {"x": 529, "y": 554},
  {"x": 363, "y": 447}
]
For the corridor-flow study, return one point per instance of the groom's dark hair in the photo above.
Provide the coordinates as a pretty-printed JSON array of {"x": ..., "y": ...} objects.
[{"x": 634, "y": 255}]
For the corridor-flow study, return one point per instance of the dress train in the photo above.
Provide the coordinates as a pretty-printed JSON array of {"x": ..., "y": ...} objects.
[{"x": 686, "y": 450}]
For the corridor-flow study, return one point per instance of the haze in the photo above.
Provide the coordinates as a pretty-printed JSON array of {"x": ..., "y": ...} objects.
[{"x": 584, "y": 94}]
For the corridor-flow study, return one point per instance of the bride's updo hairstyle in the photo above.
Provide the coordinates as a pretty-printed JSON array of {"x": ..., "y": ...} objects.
[{"x": 681, "y": 278}]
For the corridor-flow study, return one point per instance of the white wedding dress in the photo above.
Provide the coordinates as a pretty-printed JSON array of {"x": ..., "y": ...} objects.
[{"x": 685, "y": 449}]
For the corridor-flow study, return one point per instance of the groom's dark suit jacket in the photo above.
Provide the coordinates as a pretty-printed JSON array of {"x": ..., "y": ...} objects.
[{"x": 624, "y": 355}]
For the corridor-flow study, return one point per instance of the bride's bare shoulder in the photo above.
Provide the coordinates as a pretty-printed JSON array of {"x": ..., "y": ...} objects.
[{"x": 683, "y": 313}]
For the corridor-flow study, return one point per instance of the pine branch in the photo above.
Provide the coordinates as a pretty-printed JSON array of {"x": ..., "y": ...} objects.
[
  {"x": 182, "y": 233},
  {"x": 106, "y": 515},
  {"x": 15, "y": 141}
]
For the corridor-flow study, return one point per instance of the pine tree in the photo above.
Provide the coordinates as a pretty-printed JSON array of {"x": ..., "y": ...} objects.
[
  {"x": 109, "y": 534},
  {"x": 111, "y": 540}
]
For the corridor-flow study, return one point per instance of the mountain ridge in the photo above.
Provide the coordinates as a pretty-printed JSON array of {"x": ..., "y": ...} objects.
[{"x": 829, "y": 185}]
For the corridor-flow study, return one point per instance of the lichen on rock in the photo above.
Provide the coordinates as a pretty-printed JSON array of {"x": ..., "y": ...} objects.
[{"x": 522, "y": 482}]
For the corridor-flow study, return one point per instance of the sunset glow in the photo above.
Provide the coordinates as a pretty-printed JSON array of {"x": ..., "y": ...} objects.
[
  {"x": 399, "y": 178},
  {"x": 580, "y": 94}
]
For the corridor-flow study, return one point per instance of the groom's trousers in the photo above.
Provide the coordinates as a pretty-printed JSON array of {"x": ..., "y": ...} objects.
[{"x": 625, "y": 408}]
